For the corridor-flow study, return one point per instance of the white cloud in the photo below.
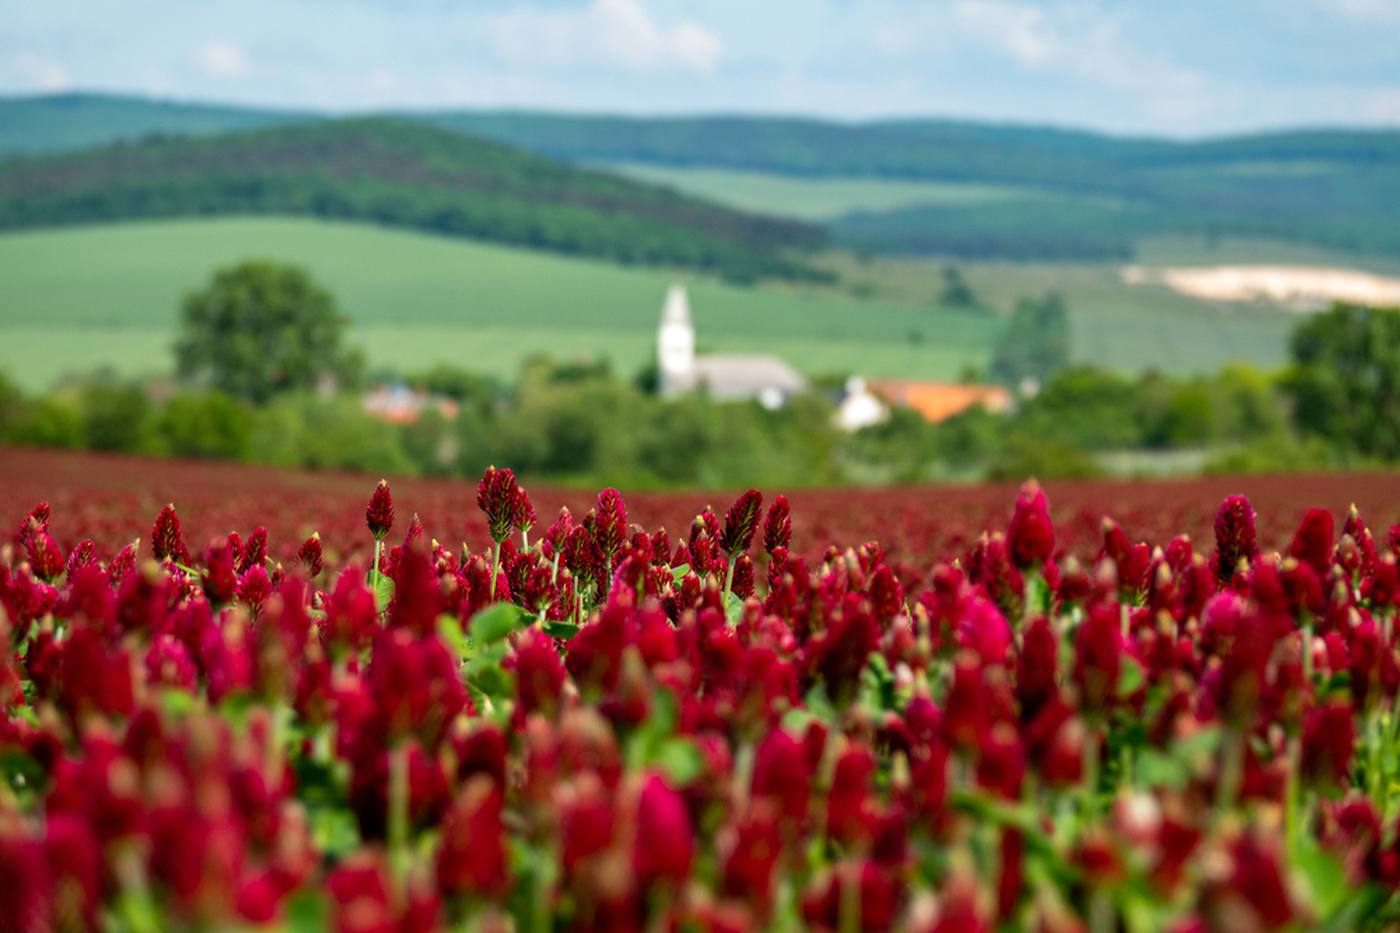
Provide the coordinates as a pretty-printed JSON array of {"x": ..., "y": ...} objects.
[
  {"x": 1024, "y": 32},
  {"x": 1079, "y": 39},
  {"x": 1366, "y": 10},
  {"x": 38, "y": 73},
  {"x": 613, "y": 32},
  {"x": 1382, "y": 105},
  {"x": 221, "y": 59}
]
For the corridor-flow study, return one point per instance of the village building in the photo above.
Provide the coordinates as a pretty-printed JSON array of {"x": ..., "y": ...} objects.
[
  {"x": 858, "y": 407},
  {"x": 939, "y": 401},
  {"x": 764, "y": 378},
  {"x": 398, "y": 404}
]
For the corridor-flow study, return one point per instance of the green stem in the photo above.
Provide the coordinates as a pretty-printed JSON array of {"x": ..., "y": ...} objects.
[
  {"x": 398, "y": 818},
  {"x": 374, "y": 568},
  {"x": 1101, "y": 918},
  {"x": 1231, "y": 771},
  {"x": 1091, "y": 770},
  {"x": 495, "y": 567},
  {"x": 1307, "y": 658},
  {"x": 541, "y": 917},
  {"x": 1374, "y": 753},
  {"x": 1292, "y": 793},
  {"x": 850, "y": 900},
  {"x": 728, "y": 581},
  {"x": 661, "y": 902},
  {"x": 743, "y": 774}
]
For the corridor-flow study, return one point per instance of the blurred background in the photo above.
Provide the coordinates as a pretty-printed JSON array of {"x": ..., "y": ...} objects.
[{"x": 675, "y": 244}]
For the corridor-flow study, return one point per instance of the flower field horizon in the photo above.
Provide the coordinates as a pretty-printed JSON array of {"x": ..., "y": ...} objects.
[
  {"x": 244, "y": 698},
  {"x": 108, "y": 497}
]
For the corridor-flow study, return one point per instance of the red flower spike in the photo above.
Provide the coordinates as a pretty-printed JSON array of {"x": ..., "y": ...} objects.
[
  {"x": 539, "y": 674},
  {"x": 1235, "y": 538},
  {"x": 472, "y": 857},
  {"x": 221, "y": 574},
  {"x": 664, "y": 846},
  {"x": 1312, "y": 542},
  {"x": 495, "y": 496},
  {"x": 1098, "y": 658},
  {"x": 781, "y": 775},
  {"x": 83, "y": 555},
  {"x": 167, "y": 541},
  {"x": 559, "y": 530},
  {"x": 310, "y": 555},
  {"x": 351, "y": 614},
  {"x": 522, "y": 510},
  {"x": 254, "y": 550},
  {"x": 1328, "y": 739},
  {"x": 609, "y": 524},
  {"x": 379, "y": 514},
  {"x": 254, "y": 587},
  {"x": 741, "y": 522},
  {"x": 45, "y": 556},
  {"x": 777, "y": 527},
  {"x": 1030, "y": 537}
]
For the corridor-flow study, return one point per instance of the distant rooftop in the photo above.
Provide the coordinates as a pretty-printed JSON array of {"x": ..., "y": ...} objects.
[
  {"x": 939, "y": 401},
  {"x": 745, "y": 376}
]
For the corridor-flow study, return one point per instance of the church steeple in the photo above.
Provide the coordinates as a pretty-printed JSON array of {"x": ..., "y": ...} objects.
[{"x": 675, "y": 343}]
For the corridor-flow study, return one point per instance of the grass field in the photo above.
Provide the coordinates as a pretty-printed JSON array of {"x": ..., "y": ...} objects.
[
  {"x": 812, "y": 198},
  {"x": 1115, "y": 325},
  {"x": 77, "y": 298}
]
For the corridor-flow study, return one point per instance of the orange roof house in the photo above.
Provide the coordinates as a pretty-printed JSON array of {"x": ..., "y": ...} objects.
[{"x": 939, "y": 401}]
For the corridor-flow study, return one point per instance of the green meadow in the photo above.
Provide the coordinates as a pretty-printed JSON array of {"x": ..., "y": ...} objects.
[
  {"x": 1113, "y": 324},
  {"x": 813, "y": 198},
  {"x": 74, "y": 299}
]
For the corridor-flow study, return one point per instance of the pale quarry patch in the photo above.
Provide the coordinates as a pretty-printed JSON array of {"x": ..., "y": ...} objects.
[{"x": 1300, "y": 288}]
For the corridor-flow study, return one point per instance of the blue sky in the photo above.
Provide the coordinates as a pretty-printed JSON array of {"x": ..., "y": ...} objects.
[{"x": 1175, "y": 67}]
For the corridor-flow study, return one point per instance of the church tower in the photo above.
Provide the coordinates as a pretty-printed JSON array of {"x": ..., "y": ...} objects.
[{"x": 675, "y": 343}]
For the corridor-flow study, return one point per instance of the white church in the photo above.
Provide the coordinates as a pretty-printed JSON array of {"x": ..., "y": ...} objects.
[{"x": 765, "y": 378}]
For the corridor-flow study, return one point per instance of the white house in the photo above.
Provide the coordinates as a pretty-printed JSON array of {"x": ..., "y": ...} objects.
[
  {"x": 859, "y": 407},
  {"x": 765, "y": 378}
]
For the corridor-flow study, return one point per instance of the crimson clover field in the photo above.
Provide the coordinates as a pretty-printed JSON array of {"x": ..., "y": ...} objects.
[{"x": 243, "y": 698}]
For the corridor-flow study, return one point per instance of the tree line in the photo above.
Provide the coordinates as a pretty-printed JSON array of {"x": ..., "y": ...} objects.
[{"x": 266, "y": 377}]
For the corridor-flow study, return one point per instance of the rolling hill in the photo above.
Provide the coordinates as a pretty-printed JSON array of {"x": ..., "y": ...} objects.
[
  {"x": 77, "y": 298},
  {"x": 56, "y": 122},
  {"x": 1078, "y": 195},
  {"x": 1054, "y": 193},
  {"x": 405, "y": 174}
]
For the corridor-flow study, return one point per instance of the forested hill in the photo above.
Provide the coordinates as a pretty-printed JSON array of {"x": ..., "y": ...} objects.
[
  {"x": 907, "y": 148},
  {"x": 399, "y": 173},
  {"x": 1057, "y": 194},
  {"x": 946, "y": 150},
  {"x": 55, "y": 122},
  {"x": 1076, "y": 194}
]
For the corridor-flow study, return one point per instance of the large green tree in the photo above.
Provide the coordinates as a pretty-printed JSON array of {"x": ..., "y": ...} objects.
[
  {"x": 260, "y": 328},
  {"x": 1345, "y": 379},
  {"x": 1035, "y": 344}
]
